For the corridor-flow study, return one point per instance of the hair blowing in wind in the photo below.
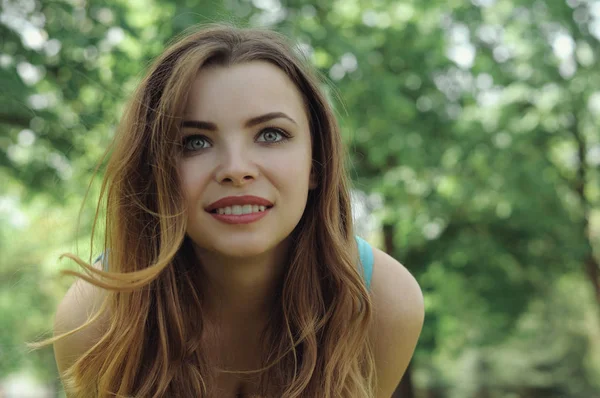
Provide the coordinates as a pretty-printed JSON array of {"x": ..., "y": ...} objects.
[{"x": 316, "y": 343}]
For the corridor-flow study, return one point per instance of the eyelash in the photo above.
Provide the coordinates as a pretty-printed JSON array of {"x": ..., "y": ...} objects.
[{"x": 284, "y": 134}]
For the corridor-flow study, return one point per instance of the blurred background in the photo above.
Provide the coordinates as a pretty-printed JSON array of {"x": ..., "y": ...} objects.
[{"x": 472, "y": 128}]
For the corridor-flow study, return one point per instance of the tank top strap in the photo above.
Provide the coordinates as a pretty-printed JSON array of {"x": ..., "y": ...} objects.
[
  {"x": 365, "y": 252},
  {"x": 101, "y": 258}
]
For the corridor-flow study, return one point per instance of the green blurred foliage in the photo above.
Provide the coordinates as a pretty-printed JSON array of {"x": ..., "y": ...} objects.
[{"x": 472, "y": 127}]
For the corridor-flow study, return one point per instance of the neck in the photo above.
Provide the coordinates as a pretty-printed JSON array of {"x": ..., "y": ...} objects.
[{"x": 241, "y": 291}]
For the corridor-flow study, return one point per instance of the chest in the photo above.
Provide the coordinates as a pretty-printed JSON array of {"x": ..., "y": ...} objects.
[
  {"x": 233, "y": 351},
  {"x": 228, "y": 385}
]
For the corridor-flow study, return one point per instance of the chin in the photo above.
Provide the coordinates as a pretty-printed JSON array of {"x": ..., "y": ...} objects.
[
  {"x": 232, "y": 248},
  {"x": 244, "y": 246}
]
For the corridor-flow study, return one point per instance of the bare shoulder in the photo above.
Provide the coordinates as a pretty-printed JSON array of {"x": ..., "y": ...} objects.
[
  {"x": 398, "y": 319},
  {"x": 81, "y": 301}
]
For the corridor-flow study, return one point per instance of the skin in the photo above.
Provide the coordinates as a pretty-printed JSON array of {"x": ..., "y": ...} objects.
[{"x": 224, "y": 156}]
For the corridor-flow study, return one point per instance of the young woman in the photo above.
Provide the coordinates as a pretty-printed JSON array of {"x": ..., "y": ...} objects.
[{"x": 230, "y": 266}]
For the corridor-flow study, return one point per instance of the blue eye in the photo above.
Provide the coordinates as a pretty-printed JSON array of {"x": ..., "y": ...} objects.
[
  {"x": 271, "y": 135},
  {"x": 195, "y": 142}
]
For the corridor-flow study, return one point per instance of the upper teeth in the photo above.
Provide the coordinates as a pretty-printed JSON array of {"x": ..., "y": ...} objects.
[{"x": 237, "y": 209}]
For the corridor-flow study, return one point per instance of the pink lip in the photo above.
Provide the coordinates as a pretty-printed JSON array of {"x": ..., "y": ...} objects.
[{"x": 239, "y": 200}]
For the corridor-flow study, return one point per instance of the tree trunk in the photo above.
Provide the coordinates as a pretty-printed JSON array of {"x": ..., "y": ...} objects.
[
  {"x": 405, "y": 388},
  {"x": 592, "y": 268}
]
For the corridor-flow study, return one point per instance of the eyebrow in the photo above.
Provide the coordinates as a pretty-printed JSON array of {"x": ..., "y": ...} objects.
[{"x": 203, "y": 125}]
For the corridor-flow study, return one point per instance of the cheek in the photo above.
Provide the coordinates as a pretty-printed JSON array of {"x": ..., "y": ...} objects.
[
  {"x": 293, "y": 167},
  {"x": 192, "y": 179}
]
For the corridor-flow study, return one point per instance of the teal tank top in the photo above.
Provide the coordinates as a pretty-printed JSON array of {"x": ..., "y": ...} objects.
[{"x": 365, "y": 253}]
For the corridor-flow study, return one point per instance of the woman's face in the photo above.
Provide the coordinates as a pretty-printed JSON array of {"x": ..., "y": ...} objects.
[{"x": 245, "y": 133}]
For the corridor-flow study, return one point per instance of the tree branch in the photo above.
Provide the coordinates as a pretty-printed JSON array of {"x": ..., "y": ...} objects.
[{"x": 14, "y": 120}]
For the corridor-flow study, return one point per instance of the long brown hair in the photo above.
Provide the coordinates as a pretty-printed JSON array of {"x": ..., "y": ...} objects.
[{"x": 317, "y": 343}]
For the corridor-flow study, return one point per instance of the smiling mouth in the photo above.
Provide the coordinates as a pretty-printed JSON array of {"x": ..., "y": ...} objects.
[{"x": 240, "y": 210}]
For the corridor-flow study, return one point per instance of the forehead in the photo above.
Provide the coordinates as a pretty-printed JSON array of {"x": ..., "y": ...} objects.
[{"x": 243, "y": 90}]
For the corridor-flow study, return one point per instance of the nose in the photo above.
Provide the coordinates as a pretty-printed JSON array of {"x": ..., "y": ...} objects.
[{"x": 236, "y": 166}]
